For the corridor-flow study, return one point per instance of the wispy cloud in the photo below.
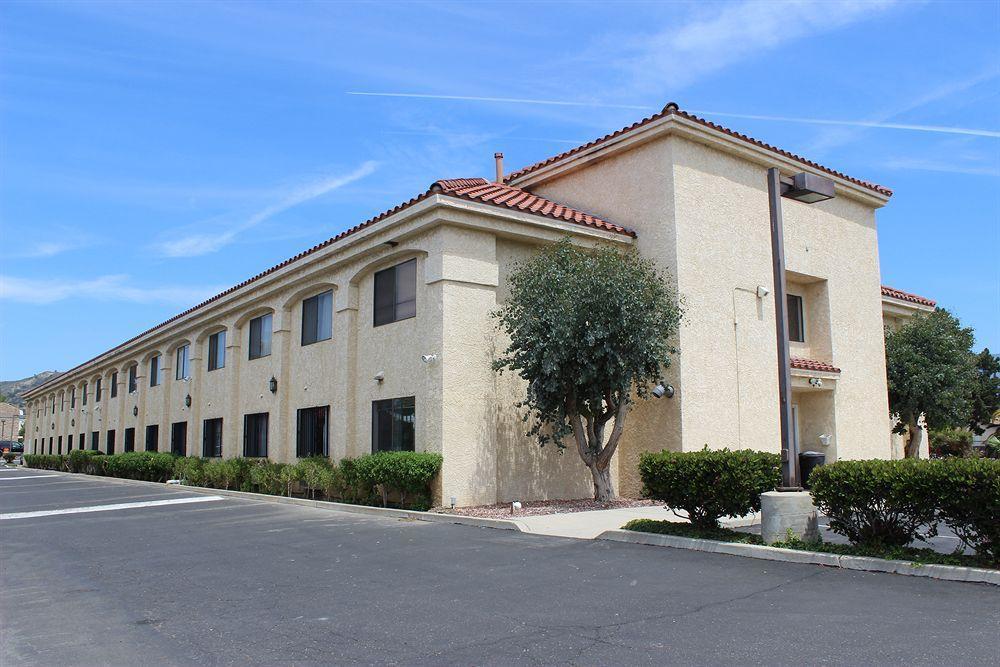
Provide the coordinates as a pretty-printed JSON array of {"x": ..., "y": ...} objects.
[
  {"x": 720, "y": 35},
  {"x": 102, "y": 288},
  {"x": 202, "y": 243},
  {"x": 58, "y": 241},
  {"x": 921, "y": 164},
  {"x": 503, "y": 100}
]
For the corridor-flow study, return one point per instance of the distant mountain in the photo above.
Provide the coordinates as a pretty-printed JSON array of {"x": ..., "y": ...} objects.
[{"x": 13, "y": 389}]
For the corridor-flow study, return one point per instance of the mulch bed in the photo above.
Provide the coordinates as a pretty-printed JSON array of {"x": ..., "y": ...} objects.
[{"x": 540, "y": 507}]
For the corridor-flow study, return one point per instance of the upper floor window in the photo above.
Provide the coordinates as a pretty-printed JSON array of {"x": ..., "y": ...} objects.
[
  {"x": 217, "y": 351},
  {"x": 317, "y": 318},
  {"x": 133, "y": 382},
  {"x": 154, "y": 371},
  {"x": 796, "y": 325},
  {"x": 72, "y": 398},
  {"x": 183, "y": 371},
  {"x": 54, "y": 404},
  {"x": 396, "y": 293},
  {"x": 97, "y": 390},
  {"x": 260, "y": 336},
  {"x": 114, "y": 384},
  {"x": 83, "y": 392}
]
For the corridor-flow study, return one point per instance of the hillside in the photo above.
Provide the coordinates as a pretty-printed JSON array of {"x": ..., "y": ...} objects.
[{"x": 13, "y": 389}]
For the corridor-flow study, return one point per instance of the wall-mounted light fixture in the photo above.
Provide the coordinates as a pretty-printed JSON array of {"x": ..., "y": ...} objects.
[
  {"x": 816, "y": 382},
  {"x": 187, "y": 400},
  {"x": 380, "y": 377},
  {"x": 135, "y": 411},
  {"x": 663, "y": 389},
  {"x": 272, "y": 384},
  {"x": 72, "y": 422}
]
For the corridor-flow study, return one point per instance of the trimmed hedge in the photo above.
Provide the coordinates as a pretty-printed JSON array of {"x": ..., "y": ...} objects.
[
  {"x": 403, "y": 476},
  {"x": 709, "y": 484},
  {"x": 889, "y": 504}
]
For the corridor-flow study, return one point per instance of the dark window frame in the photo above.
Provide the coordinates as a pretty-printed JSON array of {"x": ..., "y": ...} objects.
[
  {"x": 155, "y": 368},
  {"x": 217, "y": 350},
  {"x": 255, "y": 431},
  {"x": 796, "y": 319},
  {"x": 59, "y": 446},
  {"x": 114, "y": 385},
  {"x": 109, "y": 441},
  {"x": 388, "y": 419},
  {"x": 211, "y": 438},
  {"x": 387, "y": 286},
  {"x": 152, "y": 444},
  {"x": 183, "y": 366},
  {"x": 312, "y": 424},
  {"x": 83, "y": 393},
  {"x": 133, "y": 378},
  {"x": 178, "y": 438},
  {"x": 260, "y": 337},
  {"x": 128, "y": 444},
  {"x": 97, "y": 390},
  {"x": 314, "y": 317}
]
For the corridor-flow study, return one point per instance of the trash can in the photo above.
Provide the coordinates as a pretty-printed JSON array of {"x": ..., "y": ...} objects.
[{"x": 808, "y": 461}]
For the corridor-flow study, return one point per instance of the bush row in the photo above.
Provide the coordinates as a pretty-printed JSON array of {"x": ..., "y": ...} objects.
[
  {"x": 403, "y": 478},
  {"x": 887, "y": 504}
]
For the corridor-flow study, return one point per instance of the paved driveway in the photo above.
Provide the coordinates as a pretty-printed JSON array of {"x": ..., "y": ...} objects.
[{"x": 232, "y": 582}]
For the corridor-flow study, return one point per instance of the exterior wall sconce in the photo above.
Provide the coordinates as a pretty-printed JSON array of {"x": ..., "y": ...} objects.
[
  {"x": 816, "y": 382},
  {"x": 272, "y": 384},
  {"x": 72, "y": 422},
  {"x": 187, "y": 400},
  {"x": 135, "y": 411}
]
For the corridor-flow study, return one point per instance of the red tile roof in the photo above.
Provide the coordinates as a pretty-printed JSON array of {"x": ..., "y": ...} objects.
[
  {"x": 813, "y": 365},
  {"x": 673, "y": 109},
  {"x": 507, "y": 196},
  {"x": 473, "y": 189},
  {"x": 906, "y": 296}
]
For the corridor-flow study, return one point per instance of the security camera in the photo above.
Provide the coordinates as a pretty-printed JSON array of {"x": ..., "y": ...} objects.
[
  {"x": 825, "y": 439},
  {"x": 428, "y": 358},
  {"x": 661, "y": 390},
  {"x": 762, "y": 291},
  {"x": 379, "y": 377},
  {"x": 816, "y": 382}
]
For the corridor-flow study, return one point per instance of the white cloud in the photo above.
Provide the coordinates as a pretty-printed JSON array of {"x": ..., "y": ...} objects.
[
  {"x": 203, "y": 243},
  {"x": 921, "y": 164},
  {"x": 102, "y": 288},
  {"x": 503, "y": 100},
  {"x": 721, "y": 35},
  {"x": 58, "y": 241}
]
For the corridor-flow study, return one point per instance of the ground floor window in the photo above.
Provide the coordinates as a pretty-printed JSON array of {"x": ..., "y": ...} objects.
[
  {"x": 50, "y": 446},
  {"x": 109, "y": 447},
  {"x": 129, "y": 445},
  {"x": 81, "y": 443},
  {"x": 392, "y": 424},
  {"x": 178, "y": 438},
  {"x": 95, "y": 440},
  {"x": 211, "y": 443},
  {"x": 255, "y": 435},
  {"x": 312, "y": 432},
  {"x": 59, "y": 445},
  {"x": 152, "y": 437}
]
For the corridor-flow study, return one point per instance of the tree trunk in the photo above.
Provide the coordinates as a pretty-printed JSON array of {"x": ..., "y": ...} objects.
[
  {"x": 603, "y": 490},
  {"x": 914, "y": 441}
]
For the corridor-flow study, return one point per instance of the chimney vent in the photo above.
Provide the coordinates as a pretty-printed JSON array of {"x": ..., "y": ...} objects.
[{"x": 499, "y": 160}]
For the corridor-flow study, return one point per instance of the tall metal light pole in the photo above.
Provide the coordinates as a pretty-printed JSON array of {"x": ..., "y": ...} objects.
[{"x": 809, "y": 189}]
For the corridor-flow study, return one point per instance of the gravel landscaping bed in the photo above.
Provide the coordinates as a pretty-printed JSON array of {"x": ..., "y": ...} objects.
[{"x": 539, "y": 507}]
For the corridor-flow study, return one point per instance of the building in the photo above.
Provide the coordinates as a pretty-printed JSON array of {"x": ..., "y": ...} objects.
[
  {"x": 380, "y": 338},
  {"x": 11, "y": 419}
]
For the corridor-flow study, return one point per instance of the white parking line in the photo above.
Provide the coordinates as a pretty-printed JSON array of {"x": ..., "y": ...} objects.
[
  {"x": 108, "y": 508},
  {"x": 30, "y": 476}
]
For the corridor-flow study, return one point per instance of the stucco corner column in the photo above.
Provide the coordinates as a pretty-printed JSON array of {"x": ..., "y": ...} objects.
[{"x": 785, "y": 514}]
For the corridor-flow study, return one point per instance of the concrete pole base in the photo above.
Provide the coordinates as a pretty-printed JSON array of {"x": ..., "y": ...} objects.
[{"x": 781, "y": 511}]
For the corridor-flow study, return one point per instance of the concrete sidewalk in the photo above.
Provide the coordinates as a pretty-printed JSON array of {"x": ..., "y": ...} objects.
[{"x": 588, "y": 525}]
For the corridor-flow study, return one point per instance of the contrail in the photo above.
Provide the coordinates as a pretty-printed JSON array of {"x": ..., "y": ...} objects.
[{"x": 940, "y": 129}]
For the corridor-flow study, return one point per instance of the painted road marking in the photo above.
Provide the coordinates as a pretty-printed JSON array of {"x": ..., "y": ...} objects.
[
  {"x": 31, "y": 476},
  {"x": 108, "y": 508}
]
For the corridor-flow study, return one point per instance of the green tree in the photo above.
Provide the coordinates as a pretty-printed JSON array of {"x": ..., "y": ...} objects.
[
  {"x": 590, "y": 331},
  {"x": 984, "y": 394},
  {"x": 929, "y": 371}
]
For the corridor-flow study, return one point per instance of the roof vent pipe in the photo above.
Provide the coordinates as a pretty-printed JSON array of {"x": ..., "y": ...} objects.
[{"x": 499, "y": 160}]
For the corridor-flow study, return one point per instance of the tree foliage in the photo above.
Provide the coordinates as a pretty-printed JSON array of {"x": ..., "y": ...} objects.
[
  {"x": 589, "y": 331},
  {"x": 984, "y": 394},
  {"x": 929, "y": 371}
]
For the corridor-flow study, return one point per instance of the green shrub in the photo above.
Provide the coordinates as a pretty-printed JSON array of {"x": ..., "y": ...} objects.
[
  {"x": 96, "y": 464},
  {"x": 950, "y": 442},
  {"x": 268, "y": 477},
  {"x": 9, "y": 457},
  {"x": 968, "y": 500},
  {"x": 79, "y": 459},
  {"x": 709, "y": 484},
  {"x": 878, "y": 504},
  {"x": 991, "y": 449},
  {"x": 45, "y": 461},
  {"x": 190, "y": 470},
  {"x": 312, "y": 472},
  {"x": 405, "y": 473},
  {"x": 147, "y": 466}
]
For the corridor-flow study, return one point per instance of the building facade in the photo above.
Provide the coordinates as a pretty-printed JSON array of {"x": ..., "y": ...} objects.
[{"x": 381, "y": 338}]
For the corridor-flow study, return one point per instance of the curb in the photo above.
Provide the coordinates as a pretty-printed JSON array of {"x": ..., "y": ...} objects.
[
  {"x": 863, "y": 563},
  {"x": 388, "y": 512}
]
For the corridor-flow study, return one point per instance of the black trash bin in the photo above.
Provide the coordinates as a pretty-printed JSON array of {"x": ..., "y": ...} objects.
[{"x": 808, "y": 461}]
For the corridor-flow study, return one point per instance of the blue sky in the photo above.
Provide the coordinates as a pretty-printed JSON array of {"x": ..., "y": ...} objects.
[{"x": 155, "y": 153}]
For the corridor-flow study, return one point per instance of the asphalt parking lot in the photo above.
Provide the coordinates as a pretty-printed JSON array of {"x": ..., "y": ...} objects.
[{"x": 157, "y": 580}]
